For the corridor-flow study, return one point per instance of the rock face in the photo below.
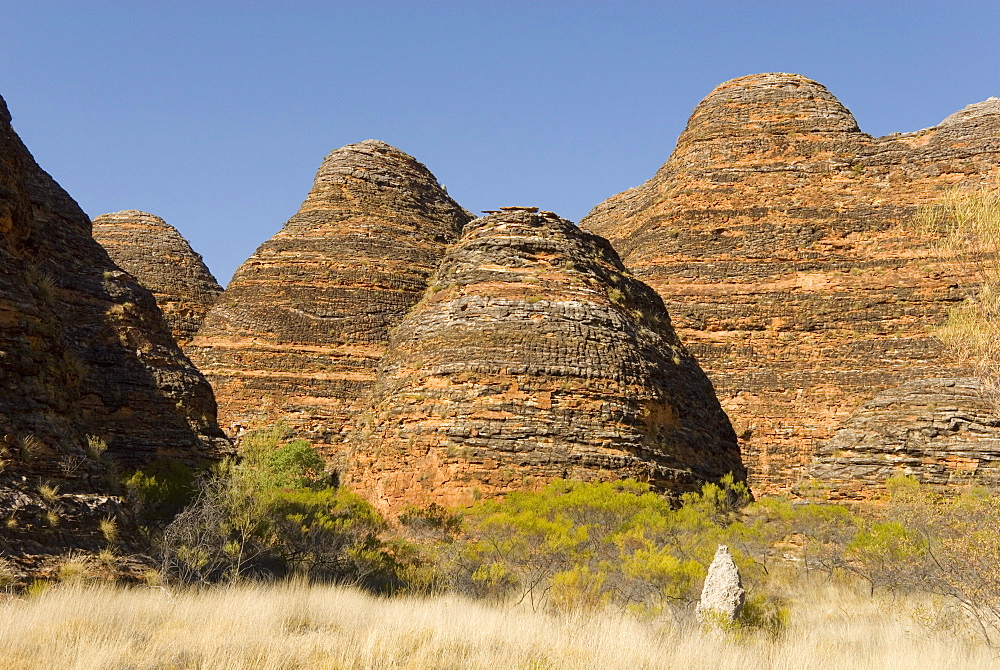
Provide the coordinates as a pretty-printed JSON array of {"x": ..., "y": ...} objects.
[
  {"x": 944, "y": 431},
  {"x": 723, "y": 596},
  {"x": 158, "y": 256},
  {"x": 778, "y": 235},
  {"x": 533, "y": 356},
  {"x": 298, "y": 333},
  {"x": 83, "y": 351}
]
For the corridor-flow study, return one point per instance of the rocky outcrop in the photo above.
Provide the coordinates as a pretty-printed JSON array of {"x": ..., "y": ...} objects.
[
  {"x": 943, "y": 431},
  {"x": 778, "y": 234},
  {"x": 84, "y": 351},
  {"x": 158, "y": 256},
  {"x": 298, "y": 333},
  {"x": 722, "y": 596},
  {"x": 533, "y": 356}
]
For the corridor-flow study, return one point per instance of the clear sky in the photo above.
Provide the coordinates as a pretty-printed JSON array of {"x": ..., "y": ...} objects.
[{"x": 215, "y": 115}]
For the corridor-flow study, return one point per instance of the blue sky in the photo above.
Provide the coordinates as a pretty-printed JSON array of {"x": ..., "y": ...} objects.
[{"x": 216, "y": 115}]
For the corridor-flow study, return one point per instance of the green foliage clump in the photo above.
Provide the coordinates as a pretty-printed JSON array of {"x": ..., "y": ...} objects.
[
  {"x": 274, "y": 513},
  {"x": 161, "y": 490},
  {"x": 576, "y": 545}
]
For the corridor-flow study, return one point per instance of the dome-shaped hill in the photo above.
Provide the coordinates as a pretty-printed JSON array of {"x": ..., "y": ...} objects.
[
  {"x": 297, "y": 334},
  {"x": 153, "y": 252},
  {"x": 534, "y": 356},
  {"x": 780, "y": 237}
]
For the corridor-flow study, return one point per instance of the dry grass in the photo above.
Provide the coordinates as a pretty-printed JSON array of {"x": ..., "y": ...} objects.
[
  {"x": 966, "y": 223},
  {"x": 297, "y": 626}
]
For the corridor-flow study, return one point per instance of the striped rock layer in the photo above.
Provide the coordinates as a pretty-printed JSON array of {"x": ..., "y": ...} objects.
[
  {"x": 297, "y": 334},
  {"x": 533, "y": 356},
  {"x": 943, "y": 431},
  {"x": 780, "y": 236},
  {"x": 84, "y": 351},
  {"x": 153, "y": 252}
]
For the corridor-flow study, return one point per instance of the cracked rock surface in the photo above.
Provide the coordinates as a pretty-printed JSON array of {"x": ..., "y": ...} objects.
[{"x": 944, "y": 431}]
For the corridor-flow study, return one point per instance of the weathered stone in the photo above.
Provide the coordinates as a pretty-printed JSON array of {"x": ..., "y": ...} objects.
[
  {"x": 158, "y": 256},
  {"x": 777, "y": 235},
  {"x": 534, "y": 356},
  {"x": 943, "y": 431},
  {"x": 297, "y": 334},
  {"x": 722, "y": 596},
  {"x": 83, "y": 351}
]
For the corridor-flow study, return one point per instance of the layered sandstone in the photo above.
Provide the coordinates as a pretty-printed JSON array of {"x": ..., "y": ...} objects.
[
  {"x": 84, "y": 351},
  {"x": 297, "y": 334},
  {"x": 153, "y": 252},
  {"x": 779, "y": 235},
  {"x": 533, "y": 356},
  {"x": 943, "y": 431}
]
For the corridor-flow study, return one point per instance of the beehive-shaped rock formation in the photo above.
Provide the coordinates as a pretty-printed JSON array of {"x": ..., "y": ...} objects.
[
  {"x": 778, "y": 235},
  {"x": 944, "y": 431},
  {"x": 84, "y": 351},
  {"x": 535, "y": 356},
  {"x": 297, "y": 334},
  {"x": 153, "y": 252}
]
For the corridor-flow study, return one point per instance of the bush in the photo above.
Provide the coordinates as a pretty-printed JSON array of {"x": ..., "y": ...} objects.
[
  {"x": 160, "y": 491},
  {"x": 575, "y": 545},
  {"x": 273, "y": 514}
]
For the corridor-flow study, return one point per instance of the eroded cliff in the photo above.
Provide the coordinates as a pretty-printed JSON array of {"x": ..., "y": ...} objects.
[{"x": 84, "y": 352}]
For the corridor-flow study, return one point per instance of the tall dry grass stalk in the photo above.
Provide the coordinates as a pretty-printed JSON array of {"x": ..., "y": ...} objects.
[
  {"x": 966, "y": 223},
  {"x": 286, "y": 626}
]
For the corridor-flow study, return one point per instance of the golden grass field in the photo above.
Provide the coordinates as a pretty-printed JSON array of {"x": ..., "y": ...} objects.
[{"x": 289, "y": 626}]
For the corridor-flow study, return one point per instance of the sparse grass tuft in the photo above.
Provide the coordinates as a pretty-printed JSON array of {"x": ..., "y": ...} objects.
[
  {"x": 109, "y": 529},
  {"x": 50, "y": 494},
  {"x": 96, "y": 448},
  {"x": 30, "y": 447}
]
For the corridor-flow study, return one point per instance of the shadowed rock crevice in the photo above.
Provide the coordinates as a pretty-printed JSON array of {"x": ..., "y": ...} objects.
[
  {"x": 532, "y": 356},
  {"x": 780, "y": 237},
  {"x": 297, "y": 334},
  {"x": 158, "y": 256}
]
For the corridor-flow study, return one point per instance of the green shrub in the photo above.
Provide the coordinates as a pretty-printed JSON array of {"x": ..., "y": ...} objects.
[
  {"x": 576, "y": 545},
  {"x": 273, "y": 514},
  {"x": 159, "y": 491}
]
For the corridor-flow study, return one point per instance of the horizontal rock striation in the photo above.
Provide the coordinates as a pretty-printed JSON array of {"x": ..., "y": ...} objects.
[
  {"x": 298, "y": 332},
  {"x": 84, "y": 351},
  {"x": 153, "y": 252},
  {"x": 533, "y": 356},
  {"x": 944, "y": 431},
  {"x": 779, "y": 235}
]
